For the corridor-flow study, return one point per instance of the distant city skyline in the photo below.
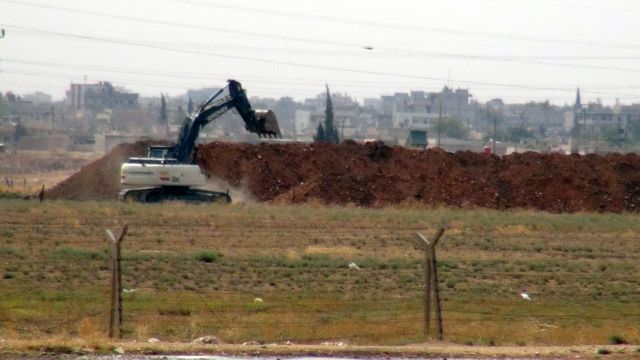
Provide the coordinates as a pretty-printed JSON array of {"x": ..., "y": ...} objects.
[{"x": 515, "y": 50}]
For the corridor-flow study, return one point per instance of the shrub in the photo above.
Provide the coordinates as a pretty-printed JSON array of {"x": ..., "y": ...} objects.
[
  {"x": 207, "y": 256},
  {"x": 71, "y": 253},
  {"x": 451, "y": 283},
  {"x": 8, "y": 275},
  {"x": 178, "y": 311},
  {"x": 603, "y": 351},
  {"x": 617, "y": 340},
  {"x": 12, "y": 253},
  {"x": 56, "y": 349},
  {"x": 256, "y": 307}
]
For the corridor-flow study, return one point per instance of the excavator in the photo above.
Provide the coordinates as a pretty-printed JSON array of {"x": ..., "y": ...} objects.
[{"x": 170, "y": 172}]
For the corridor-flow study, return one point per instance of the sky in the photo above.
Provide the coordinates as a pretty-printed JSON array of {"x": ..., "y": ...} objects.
[{"x": 517, "y": 50}]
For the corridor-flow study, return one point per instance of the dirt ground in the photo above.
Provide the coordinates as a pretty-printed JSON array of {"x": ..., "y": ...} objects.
[
  {"x": 46, "y": 349},
  {"x": 376, "y": 175},
  {"x": 26, "y": 172}
]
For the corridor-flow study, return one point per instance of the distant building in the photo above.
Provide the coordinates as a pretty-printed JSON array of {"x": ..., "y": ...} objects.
[
  {"x": 454, "y": 103},
  {"x": 25, "y": 108},
  {"x": 413, "y": 119},
  {"x": 38, "y": 98},
  {"x": 100, "y": 96},
  {"x": 596, "y": 115}
]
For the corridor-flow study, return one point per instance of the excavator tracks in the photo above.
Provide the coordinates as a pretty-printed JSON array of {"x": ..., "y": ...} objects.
[{"x": 160, "y": 194}]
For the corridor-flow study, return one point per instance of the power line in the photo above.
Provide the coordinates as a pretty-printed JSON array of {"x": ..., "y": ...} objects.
[
  {"x": 189, "y": 26},
  {"x": 182, "y": 75},
  {"x": 281, "y": 62},
  {"x": 200, "y": 76},
  {"x": 377, "y": 24},
  {"x": 395, "y": 52}
]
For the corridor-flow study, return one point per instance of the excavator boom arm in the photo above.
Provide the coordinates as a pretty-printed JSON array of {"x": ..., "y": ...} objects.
[{"x": 261, "y": 122}]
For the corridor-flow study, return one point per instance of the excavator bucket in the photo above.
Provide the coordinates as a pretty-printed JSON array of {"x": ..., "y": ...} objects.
[{"x": 267, "y": 124}]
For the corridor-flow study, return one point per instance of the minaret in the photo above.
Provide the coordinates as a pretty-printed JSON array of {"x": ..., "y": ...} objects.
[{"x": 575, "y": 132}]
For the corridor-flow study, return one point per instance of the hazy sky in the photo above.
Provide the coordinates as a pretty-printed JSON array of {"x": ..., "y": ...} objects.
[{"x": 518, "y": 50}]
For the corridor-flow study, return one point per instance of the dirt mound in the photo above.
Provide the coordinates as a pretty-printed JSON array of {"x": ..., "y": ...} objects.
[
  {"x": 100, "y": 179},
  {"x": 365, "y": 175},
  {"x": 376, "y": 175}
]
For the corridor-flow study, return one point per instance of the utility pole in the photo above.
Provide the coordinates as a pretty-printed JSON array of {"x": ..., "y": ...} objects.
[
  {"x": 439, "y": 123},
  {"x": 16, "y": 135},
  {"x": 493, "y": 140},
  {"x": 626, "y": 128},
  {"x": 1, "y": 36},
  {"x": 584, "y": 132}
]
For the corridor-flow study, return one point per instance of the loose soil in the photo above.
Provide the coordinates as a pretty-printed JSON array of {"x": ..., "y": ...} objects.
[
  {"x": 376, "y": 175},
  {"x": 99, "y": 180}
]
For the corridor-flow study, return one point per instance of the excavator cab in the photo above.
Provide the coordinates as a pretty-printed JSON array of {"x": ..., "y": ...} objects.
[{"x": 160, "y": 151}]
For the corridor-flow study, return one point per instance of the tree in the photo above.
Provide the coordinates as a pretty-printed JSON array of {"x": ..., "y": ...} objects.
[
  {"x": 180, "y": 116},
  {"x": 453, "y": 128},
  {"x": 190, "y": 106},
  {"x": 613, "y": 135},
  {"x": 21, "y": 130},
  {"x": 516, "y": 134},
  {"x": 163, "y": 111},
  {"x": 330, "y": 131},
  {"x": 319, "y": 134},
  {"x": 633, "y": 130}
]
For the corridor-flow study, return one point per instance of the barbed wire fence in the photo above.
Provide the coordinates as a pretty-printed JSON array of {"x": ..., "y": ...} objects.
[{"x": 382, "y": 298}]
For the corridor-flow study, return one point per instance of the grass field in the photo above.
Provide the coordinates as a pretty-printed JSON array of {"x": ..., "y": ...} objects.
[{"x": 197, "y": 269}]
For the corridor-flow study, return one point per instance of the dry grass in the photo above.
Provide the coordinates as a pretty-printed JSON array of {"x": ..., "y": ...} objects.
[
  {"x": 581, "y": 271},
  {"x": 27, "y": 171}
]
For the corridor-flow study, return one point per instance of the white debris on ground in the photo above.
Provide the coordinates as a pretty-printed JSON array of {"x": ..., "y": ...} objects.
[
  {"x": 333, "y": 343},
  {"x": 258, "y": 300},
  {"x": 208, "y": 339},
  {"x": 354, "y": 266}
]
